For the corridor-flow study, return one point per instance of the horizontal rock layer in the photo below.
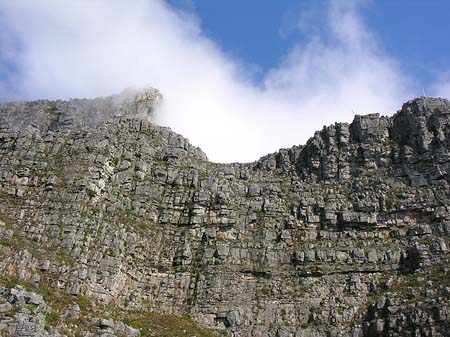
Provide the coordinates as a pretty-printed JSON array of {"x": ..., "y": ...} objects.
[{"x": 347, "y": 235}]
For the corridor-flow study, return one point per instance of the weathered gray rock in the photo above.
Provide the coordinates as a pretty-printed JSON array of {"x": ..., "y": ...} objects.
[
  {"x": 347, "y": 235},
  {"x": 44, "y": 116},
  {"x": 4, "y": 307}
]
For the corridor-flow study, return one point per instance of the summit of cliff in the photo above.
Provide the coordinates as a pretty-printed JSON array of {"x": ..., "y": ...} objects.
[{"x": 46, "y": 115}]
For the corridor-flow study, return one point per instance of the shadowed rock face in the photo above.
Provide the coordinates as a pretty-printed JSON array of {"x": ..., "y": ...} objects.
[{"x": 347, "y": 235}]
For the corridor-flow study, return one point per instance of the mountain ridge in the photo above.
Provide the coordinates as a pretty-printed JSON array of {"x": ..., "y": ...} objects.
[{"x": 346, "y": 235}]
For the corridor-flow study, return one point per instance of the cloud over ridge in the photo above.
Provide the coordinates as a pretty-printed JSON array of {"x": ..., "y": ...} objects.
[{"x": 62, "y": 49}]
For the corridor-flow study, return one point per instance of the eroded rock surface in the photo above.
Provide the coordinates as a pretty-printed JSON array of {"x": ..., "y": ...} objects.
[
  {"x": 347, "y": 235},
  {"x": 45, "y": 115}
]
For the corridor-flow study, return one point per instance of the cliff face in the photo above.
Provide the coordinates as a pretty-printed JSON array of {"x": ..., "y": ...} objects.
[
  {"x": 49, "y": 116},
  {"x": 111, "y": 223}
]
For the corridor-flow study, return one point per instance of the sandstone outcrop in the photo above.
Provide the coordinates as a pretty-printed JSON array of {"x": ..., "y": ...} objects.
[{"x": 106, "y": 219}]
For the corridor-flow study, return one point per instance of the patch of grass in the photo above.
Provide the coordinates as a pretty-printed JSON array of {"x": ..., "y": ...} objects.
[
  {"x": 30, "y": 306},
  {"x": 315, "y": 310},
  {"x": 17, "y": 243},
  {"x": 166, "y": 325},
  {"x": 389, "y": 202},
  {"x": 304, "y": 325},
  {"x": 265, "y": 291},
  {"x": 128, "y": 218},
  {"x": 91, "y": 193},
  {"x": 83, "y": 302},
  {"x": 10, "y": 313},
  {"x": 46, "y": 293},
  {"x": 52, "y": 319},
  {"x": 6, "y": 220}
]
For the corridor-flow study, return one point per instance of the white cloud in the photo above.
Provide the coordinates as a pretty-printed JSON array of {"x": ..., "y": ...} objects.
[{"x": 87, "y": 48}]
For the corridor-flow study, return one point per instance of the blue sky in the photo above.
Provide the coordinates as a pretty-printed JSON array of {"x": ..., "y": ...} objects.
[
  {"x": 240, "y": 78},
  {"x": 259, "y": 32}
]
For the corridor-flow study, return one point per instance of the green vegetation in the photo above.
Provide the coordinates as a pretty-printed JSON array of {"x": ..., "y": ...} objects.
[
  {"x": 52, "y": 319},
  {"x": 304, "y": 325},
  {"x": 265, "y": 291},
  {"x": 140, "y": 225},
  {"x": 389, "y": 202},
  {"x": 44, "y": 291},
  {"x": 149, "y": 323},
  {"x": 91, "y": 193},
  {"x": 166, "y": 325}
]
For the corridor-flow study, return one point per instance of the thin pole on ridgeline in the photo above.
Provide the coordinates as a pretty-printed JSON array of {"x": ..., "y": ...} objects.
[{"x": 423, "y": 91}]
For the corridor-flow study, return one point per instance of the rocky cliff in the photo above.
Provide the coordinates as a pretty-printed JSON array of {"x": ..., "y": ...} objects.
[{"x": 113, "y": 226}]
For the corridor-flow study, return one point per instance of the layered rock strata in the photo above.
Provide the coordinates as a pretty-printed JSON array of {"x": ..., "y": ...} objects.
[{"x": 347, "y": 235}]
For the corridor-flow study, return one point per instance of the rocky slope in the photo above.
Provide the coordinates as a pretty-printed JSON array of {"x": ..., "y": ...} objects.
[{"x": 111, "y": 225}]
